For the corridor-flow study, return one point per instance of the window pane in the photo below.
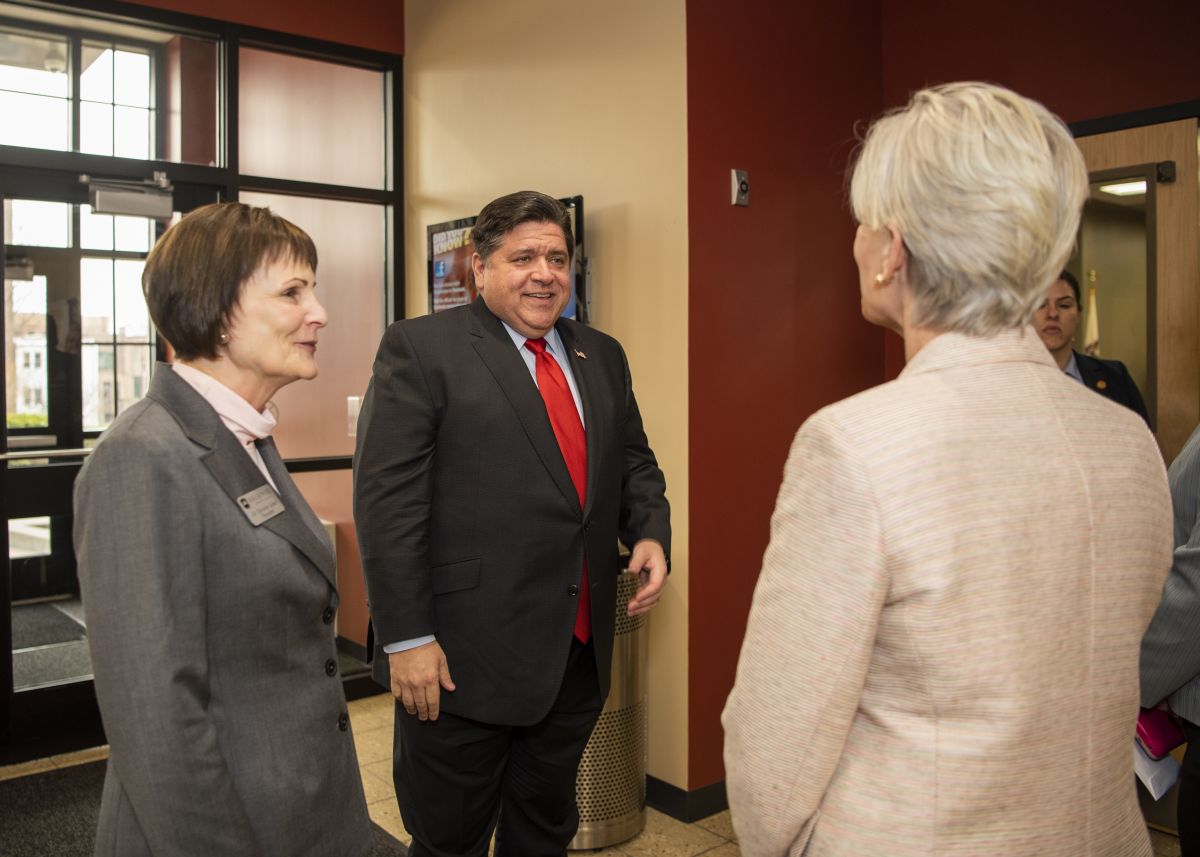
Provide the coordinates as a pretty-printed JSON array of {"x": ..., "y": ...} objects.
[
  {"x": 131, "y": 132},
  {"x": 134, "y": 234},
  {"x": 34, "y": 120},
  {"x": 131, "y": 79},
  {"x": 133, "y": 319},
  {"x": 188, "y": 82},
  {"x": 115, "y": 118},
  {"x": 33, "y": 64},
  {"x": 95, "y": 230},
  {"x": 99, "y": 388},
  {"x": 34, "y": 223},
  {"x": 132, "y": 373},
  {"x": 310, "y": 120},
  {"x": 26, "y": 395},
  {"x": 351, "y": 280},
  {"x": 96, "y": 299},
  {"x": 28, "y": 537},
  {"x": 95, "y": 128},
  {"x": 96, "y": 81}
]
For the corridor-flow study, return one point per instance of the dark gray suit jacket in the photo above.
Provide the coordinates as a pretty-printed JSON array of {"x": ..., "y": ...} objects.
[
  {"x": 210, "y": 639},
  {"x": 469, "y": 524},
  {"x": 1170, "y": 662}
]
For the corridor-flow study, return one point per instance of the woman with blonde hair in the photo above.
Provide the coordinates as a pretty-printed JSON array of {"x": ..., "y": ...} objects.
[{"x": 942, "y": 652}]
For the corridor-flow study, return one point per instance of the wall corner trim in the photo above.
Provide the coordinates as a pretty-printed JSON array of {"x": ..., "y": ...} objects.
[{"x": 686, "y": 806}]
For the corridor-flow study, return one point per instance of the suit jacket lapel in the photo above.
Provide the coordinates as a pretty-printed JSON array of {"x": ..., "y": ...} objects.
[
  {"x": 1088, "y": 371},
  {"x": 297, "y": 524},
  {"x": 233, "y": 469},
  {"x": 589, "y": 393},
  {"x": 495, "y": 348}
]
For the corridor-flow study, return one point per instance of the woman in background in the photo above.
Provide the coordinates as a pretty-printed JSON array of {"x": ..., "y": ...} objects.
[
  {"x": 207, "y": 581},
  {"x": 942, "y": 652}
]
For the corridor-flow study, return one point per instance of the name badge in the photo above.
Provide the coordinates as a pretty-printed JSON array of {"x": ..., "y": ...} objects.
[{"x": 261, "y": 504}]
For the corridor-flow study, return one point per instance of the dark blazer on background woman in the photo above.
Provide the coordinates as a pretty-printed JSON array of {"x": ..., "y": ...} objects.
[{"x": 1111, "y": 380}]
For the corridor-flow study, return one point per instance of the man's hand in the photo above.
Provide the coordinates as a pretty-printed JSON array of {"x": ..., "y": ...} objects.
[
  {"x": 650, "y": 562},
  {"x": 418, "y": 677}
]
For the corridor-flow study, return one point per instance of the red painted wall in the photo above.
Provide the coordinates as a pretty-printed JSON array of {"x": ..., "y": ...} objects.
[
  {"x": 374, "y": 24},
  {"x": 774, "y": 325},
  {"x": 1083, "y": 60}
]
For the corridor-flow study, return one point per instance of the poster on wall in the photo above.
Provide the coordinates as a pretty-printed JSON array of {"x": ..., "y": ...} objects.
[{"x": 452, "y": 282}]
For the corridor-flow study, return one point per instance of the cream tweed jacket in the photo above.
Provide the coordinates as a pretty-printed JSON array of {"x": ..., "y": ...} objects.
[{"x": 942, "y": 652}]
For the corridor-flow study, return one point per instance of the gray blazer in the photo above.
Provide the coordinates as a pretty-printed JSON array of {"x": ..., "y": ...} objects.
[
  {"x": 214, "y": 661},
  {"x": 1170, "y": 662}
]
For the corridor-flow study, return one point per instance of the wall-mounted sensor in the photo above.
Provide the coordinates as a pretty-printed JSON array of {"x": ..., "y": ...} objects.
[{"x": 741, "y": 187}]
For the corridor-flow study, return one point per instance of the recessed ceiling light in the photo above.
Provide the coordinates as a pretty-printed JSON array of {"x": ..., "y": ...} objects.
[{"x": 1124, "y": 188}]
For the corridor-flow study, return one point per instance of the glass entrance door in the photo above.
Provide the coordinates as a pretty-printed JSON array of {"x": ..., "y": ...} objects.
[{"x": 79, "y": 348}]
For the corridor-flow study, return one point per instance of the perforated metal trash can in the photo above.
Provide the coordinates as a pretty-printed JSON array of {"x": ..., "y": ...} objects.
[{"x": 611, "y": 785}]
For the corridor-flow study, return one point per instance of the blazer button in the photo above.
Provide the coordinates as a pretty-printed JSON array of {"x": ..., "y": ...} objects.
[
  {"x": 331, "y": 667},
  {"x": 572, "y": 589},
  {"x": 343, "y": 721},
  {"x": 327, "y": 616}
]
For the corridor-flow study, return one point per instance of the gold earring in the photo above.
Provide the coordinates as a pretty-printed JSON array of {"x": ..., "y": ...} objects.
[
  {"x": 880, "y": 279},
  {"x": 223, "y": 338}
]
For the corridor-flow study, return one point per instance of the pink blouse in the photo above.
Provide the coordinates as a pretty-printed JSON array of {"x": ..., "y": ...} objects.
[{"x": 238, "y": 415}]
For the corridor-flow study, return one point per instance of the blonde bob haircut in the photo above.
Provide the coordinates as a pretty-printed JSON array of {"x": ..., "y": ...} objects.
[{"x": 986, "y": 188}]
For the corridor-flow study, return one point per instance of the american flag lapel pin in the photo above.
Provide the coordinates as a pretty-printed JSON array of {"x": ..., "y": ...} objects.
[{"x": 580, "y": 354}]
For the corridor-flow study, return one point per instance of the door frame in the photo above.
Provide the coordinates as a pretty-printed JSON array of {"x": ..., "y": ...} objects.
[
  {"x": 1175, "y": 289},
  {"x": 55, "y": 717}
]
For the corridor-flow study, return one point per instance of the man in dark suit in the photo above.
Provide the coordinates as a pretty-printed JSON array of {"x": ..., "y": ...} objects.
[
  {"x": 1056, "y": 320},
  {"x": 500, "y": 456}
]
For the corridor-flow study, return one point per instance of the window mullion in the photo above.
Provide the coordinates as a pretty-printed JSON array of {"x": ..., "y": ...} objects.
[{"x": 76, "y": 67}]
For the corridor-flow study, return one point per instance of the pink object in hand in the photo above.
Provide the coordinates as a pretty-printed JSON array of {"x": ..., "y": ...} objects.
[{"x": 1157, "y": 732}]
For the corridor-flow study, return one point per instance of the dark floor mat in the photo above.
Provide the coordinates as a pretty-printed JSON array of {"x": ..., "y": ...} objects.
[
  {"x": 55, "y": 813},
  {"x": 43, "y": 625}
]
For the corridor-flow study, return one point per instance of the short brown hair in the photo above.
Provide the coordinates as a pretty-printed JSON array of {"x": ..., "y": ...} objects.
[
  {"x": 503, "y": 215},
  {"x": 193, "y": 277}
]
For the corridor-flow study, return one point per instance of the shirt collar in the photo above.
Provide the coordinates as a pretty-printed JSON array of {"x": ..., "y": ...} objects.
[
  {"x": 1073, "y": 368},
  {"x": 235, "y": 412},
  {"x": 553, "y": 342}
]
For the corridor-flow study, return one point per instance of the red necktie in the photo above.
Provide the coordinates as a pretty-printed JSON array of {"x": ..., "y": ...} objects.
[{"x": 572, "y": 441}]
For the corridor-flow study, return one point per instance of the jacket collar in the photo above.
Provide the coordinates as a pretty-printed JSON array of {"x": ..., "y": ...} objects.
[
  {"x": 235, "y": 472},
  {"x": 952, "y": 350}
]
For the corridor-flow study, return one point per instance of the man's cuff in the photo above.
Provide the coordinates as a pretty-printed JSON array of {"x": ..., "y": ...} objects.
[{"x": 405, "y": 645}]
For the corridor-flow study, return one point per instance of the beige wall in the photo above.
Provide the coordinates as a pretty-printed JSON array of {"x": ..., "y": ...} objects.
[{"x": 576, "y": 98}]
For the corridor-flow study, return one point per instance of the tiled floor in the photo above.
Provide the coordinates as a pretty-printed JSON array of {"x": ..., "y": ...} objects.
[
  {"x": 663, "y": 836},
  {"x": 372, "y": 722}
]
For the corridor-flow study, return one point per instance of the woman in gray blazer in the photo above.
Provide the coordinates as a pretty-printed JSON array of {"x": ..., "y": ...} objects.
[{"x": 207, "y": 580}]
